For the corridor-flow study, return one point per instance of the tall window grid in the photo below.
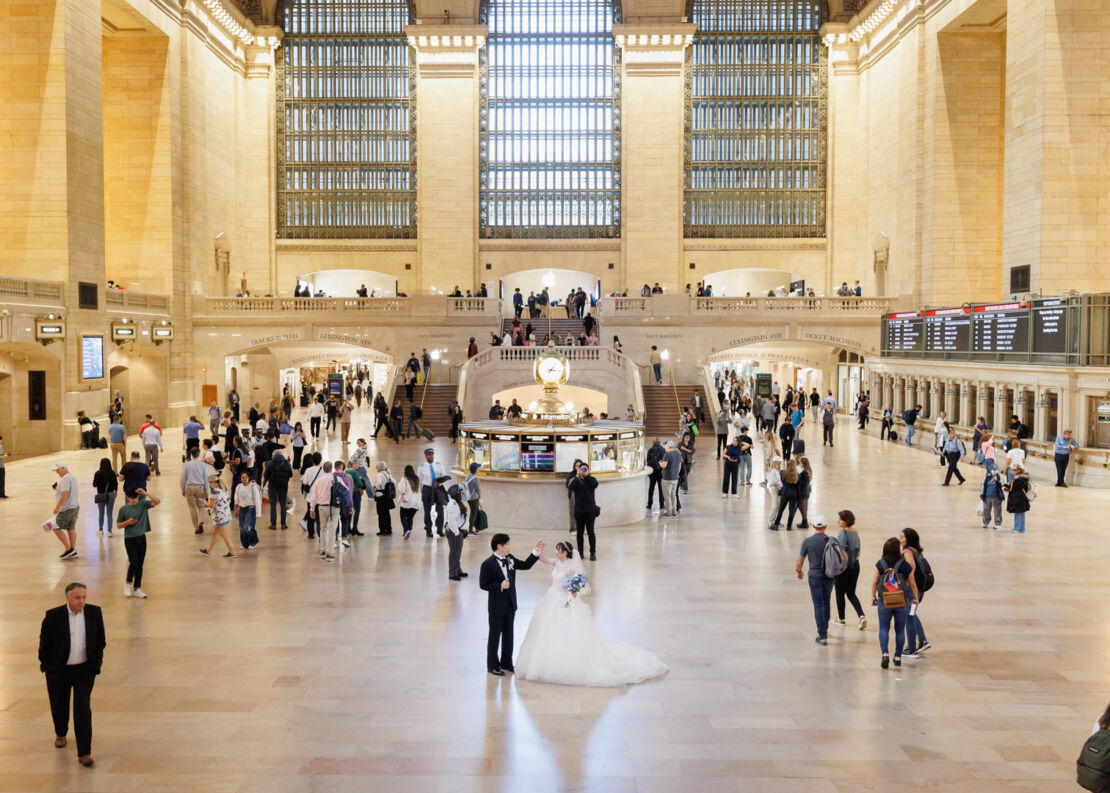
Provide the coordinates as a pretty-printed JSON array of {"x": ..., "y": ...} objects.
[
  {"x": 549, "y": 122},
  {"x": 346, "y": 143},
  {"x": 756, "y": 127}
]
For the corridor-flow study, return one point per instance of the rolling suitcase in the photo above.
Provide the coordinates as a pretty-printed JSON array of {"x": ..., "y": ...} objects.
[{"x": 428, "y": 435}]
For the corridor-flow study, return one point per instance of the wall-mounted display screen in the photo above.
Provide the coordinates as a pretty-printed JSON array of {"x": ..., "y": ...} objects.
[
  {"x": 92, "y": 357},
  {"x": 1000, "y": 328},
  {"x": 948, "y": 330},
  {"x": 904, "y": 333},
  {"x": 1050, "y": 326}
]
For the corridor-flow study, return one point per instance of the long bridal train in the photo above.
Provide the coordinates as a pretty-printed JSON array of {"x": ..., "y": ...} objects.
[{"x": 563, "y": 644}]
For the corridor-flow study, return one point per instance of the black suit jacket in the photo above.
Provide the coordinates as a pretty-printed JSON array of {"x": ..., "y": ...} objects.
[
  {"x": 54, "y": 639},
  {"x": 502, "y": 601}
]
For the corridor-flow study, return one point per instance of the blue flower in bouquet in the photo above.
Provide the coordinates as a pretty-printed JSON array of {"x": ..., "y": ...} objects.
[{"x": 573, "y": 585}]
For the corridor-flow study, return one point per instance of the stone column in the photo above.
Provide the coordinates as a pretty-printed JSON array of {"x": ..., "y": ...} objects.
[
  {"x": 923, "y": 387},
  {"x": 1000, "y": 419},
  {"x": 1040, "y": 414},
  {"x": 255, "y": 253},
  {"x": 447, "y": 146},
  {"x": 983, "y": 406},
  {"x": 1053, "y": 211},
  {"x": 897, "y": 395},
  {"x": 950, "y": 396},
  {"x": 653, "y": 107},
  {"x": 845, "y": 258},
  {"x": 966, "y": 418}
]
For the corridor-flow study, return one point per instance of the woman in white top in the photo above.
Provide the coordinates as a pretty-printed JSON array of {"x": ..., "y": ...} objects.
[
  {"x": 770, "y": 450},
  {"x": 454, "y": 523},
  {"x": 1015, "y": 458},
  {"x": 248, "y": 505},
  {"x": 384, "y": 485},
  {"x": 408, "y": 497}
]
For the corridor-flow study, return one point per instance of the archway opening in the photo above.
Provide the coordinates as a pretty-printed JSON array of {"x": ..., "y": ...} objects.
[
  {"x": 750, "y": 281},
  {"x": 558, "y": 282},
  {"x": 347, "y": 283}
]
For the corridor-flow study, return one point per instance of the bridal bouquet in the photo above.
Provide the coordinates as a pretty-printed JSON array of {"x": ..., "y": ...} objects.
[{"x": 573, "y": 585}]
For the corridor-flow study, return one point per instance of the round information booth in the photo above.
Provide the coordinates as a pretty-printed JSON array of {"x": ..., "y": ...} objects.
[{"x": 524, "y": 462}]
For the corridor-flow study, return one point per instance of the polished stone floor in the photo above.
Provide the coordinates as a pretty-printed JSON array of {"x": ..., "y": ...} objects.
[{"x": 274, "y": 672}]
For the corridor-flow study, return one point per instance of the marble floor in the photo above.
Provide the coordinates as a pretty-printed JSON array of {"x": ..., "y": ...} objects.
[{"x": 274, "y": 672}]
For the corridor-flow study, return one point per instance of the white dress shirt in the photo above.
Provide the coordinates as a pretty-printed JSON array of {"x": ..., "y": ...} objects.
[
  {"x": 430, "y": 472},
  {"x": 78, "y": 649},
  {"x": 152, "y": 436}
]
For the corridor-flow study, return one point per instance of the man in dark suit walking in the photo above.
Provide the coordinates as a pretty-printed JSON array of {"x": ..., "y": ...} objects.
[
  {"x": 71, "y": 650},
  {"x": 498, "y": 578}
]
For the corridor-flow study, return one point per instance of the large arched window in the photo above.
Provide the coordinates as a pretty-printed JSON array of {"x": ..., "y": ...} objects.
[
  {"x": 346, "y": 150},
  {"x": 549, "y": 145},
  {"x": 756, "y": 133}
]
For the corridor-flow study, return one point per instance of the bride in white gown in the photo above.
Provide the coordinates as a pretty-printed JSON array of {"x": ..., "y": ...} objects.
[{"x": 563, "y": 644}]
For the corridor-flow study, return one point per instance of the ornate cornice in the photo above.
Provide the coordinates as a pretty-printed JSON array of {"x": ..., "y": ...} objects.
[
  {"x": 550, "y": 245},
  {"x": 345, "y": 246},
  {"x": 740, "y": 244}
]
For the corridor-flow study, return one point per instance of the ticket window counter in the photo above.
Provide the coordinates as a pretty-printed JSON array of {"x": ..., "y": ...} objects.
[{"x": 1098, "y": 430}]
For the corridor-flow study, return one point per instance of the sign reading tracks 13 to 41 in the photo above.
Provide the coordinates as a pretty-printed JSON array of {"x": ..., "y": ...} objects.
[{"x": 1042, "y": 330}]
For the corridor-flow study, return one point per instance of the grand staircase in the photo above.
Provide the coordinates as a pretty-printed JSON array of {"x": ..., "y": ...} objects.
[
  {"x": 437, "y": 399},
  {"x": 661, "y": 412},
  {"x": 560, "y": 325}
]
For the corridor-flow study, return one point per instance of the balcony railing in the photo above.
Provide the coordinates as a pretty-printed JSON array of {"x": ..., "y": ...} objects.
[
  {"x": 115, "y": 299},
  {"x": 352, "y": 307},
  {"x": 494, "y": 355},
  {"x": 31, "y": 290},
  {"x": 681, "y": 305}
]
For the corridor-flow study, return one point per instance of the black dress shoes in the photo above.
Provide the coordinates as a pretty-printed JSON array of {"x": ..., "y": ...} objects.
[
  {"x": 464, "y": 575},
  {"x": 497, "y": 672},
  {"x": 509, "y": 669}
]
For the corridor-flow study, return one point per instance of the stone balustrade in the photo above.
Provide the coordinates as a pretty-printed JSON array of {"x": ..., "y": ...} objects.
[
  {"x": 31, "y": 290},
  {"x": 122, "y": 299},
  {"x": 494, "y": 355},
  {"x": 682, "y": 305},
  {"x": 352, "y": 307}
]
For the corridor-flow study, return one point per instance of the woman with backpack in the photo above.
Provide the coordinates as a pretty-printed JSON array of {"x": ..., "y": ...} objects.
[
  {"x": 1018, "y": 501},
  {"x": 893, "y": 591},
  {"x": 408, "y": 495},
  {"x": 913, "y": 555},
  {"x": 788, "y": 497},
  {"x": 845, "y": 583},
  {"x": 385, "y": 491}
]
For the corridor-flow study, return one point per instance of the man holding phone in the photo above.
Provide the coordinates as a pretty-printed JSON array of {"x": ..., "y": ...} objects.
[{"x": 582, "y": 487}]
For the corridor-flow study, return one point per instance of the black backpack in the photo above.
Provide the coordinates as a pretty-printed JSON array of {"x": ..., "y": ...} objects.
[
  {"x": 417, "y": 412},
  {"x": 654, "y": 455},
  {"x": 907, "y": 416},
  {"x": 923, "y": 574},
  {"x": 338, "y": 493},
  {"x": 1092, "y": 769},
  {"x": 390, "y": 491}
]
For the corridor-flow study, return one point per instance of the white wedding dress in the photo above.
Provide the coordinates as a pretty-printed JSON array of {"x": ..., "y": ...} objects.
[{"x": 563, "y": 644}]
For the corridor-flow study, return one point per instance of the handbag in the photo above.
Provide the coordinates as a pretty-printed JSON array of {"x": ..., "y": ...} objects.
[
  {"x": 597, "y": 511},
  {"x": 481, "y": 523},
  {"x": 100, "y": 498}
]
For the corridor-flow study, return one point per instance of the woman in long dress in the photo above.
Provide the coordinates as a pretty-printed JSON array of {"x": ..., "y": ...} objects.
[{"x": 563, "y": 644}]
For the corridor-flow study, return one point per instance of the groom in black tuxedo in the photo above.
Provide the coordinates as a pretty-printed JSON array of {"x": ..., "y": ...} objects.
[{"x": 498, "y": 577}]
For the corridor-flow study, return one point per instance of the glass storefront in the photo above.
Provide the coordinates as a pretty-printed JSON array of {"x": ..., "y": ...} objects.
[{"x": 611, "y": 448}]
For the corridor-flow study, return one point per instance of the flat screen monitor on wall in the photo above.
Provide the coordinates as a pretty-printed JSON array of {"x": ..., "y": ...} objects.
[{"x": 92, "y": 357}]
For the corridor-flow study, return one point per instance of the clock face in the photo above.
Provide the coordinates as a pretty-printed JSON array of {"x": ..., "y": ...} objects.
[{"x": 550, "y": 369}]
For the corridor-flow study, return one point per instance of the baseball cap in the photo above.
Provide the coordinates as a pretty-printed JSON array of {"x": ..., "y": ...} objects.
[
  {"x": 818, "y": 522},
  {"x": 61, "y": 465},
  {"x": 474, "y": 467}
]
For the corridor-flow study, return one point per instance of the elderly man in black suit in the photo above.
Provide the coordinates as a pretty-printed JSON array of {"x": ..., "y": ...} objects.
[
  {"x": 498, "y": 577},
  {"x": 71, "y": 650}
]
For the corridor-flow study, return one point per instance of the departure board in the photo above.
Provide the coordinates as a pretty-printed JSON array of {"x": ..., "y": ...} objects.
[
  {"x": 1002, "y": 328},
  {"x": 905, "y": 332},
  {"x": 948, "y": 330},
  {"x": 1050, "y": 325}
]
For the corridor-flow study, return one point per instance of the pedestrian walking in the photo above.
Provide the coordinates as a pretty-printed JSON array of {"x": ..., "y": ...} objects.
[
  {"x": 71, "y": 654},
  {"x": 1018, "y": 502},
  {"x": 408, "y": 497},
  {"x": 845, "y": 583},
  {"x": 820, "y": 585},
  {"x": 788, "y": 497},
  {"x": 219, "y": 506},
  {"x": 456, "y": 521},
  {"x": 66, "y": 508},
  {"x": 953, "y": 451},
  {"x": 893, "y": 592},
  {"x": 912, "y": 553},
  {"x": 134, "y": 519},
  {"x": 105, "y": 484}
]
